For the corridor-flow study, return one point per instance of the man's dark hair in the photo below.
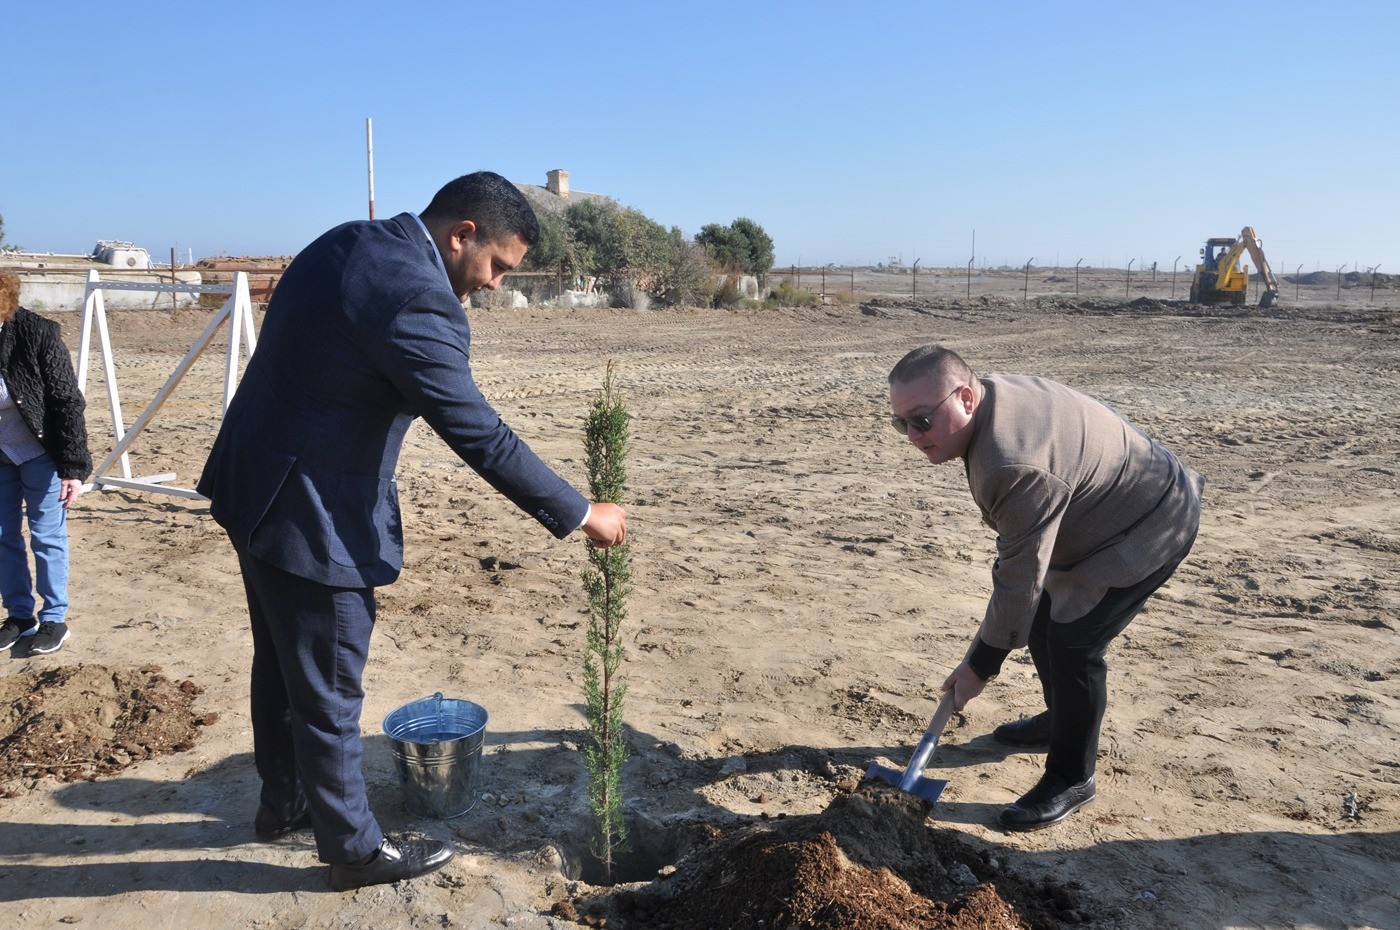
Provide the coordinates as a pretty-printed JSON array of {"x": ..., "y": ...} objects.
[
  {"x": 494, "y": 204},
  {"x": 931, "y": 360}
]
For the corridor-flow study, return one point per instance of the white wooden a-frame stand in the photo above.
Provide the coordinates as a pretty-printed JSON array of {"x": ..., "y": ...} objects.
[{"x": 237, "y": 311}]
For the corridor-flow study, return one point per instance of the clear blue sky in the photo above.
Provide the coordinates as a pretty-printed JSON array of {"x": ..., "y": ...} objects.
[{"x": 853, "y": 132}]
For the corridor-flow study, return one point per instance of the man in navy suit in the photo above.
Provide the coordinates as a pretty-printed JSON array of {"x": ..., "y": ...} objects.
[{"x": 364, "y": 333}]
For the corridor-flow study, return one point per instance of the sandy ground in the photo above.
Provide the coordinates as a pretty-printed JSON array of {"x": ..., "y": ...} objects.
[{"x": 803, "y": 581}]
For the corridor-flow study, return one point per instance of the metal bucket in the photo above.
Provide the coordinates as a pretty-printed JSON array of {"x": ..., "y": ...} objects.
[{"x": 436, "y": 743}]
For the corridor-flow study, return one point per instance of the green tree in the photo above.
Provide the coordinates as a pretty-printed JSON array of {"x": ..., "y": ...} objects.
[
  {"x": 760, "y": 245},
  {"x": 741, "y": 247},
  {"x": 687, "y": 275},
  {"x": 595, "y": 230},
  {"x": 607, "y": 581},
  {"x": 553, "y": 246},
  {"x": 613, "y": 241},
  {"x": 726, "y": 248}
]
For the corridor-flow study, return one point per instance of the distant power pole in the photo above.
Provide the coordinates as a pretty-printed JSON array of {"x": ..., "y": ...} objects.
[{"x": 369, "y": 150}]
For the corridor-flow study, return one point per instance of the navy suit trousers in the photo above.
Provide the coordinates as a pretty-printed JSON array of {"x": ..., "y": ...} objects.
[
  {"x": 1069, "y": 658},
  {"x": 310, "y": 642}
]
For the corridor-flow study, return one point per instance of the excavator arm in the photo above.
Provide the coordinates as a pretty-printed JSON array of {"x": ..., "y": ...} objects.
[{"x": 1256, "y": 252}]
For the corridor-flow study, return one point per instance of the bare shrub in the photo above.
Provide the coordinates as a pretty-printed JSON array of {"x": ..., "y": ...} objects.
[{"x": 628, "y": 295}]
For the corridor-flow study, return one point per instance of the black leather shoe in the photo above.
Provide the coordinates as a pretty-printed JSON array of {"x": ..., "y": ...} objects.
[
  {"x": 268, "y": 826},
  {"x": 1026, "y": 733},
  {"x": 393, "y": 861},
  {"x": 1050, "y": 801}
]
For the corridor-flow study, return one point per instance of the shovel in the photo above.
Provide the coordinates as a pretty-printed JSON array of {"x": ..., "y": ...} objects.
[{"x": 911, "y": 780}]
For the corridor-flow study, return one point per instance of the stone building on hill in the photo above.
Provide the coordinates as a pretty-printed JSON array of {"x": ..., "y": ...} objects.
[{"x": 556, "y": 194}]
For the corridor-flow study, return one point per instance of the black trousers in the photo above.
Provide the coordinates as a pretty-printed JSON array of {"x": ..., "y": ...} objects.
[
  {"x": 1069, "y": 658},
  {"x": 310, "y": 643}
]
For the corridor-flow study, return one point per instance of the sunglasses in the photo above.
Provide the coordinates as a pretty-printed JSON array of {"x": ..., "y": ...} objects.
[{"x": 923, "y": 422}]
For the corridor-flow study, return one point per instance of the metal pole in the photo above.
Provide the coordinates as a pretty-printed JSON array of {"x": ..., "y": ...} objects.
[
  {"x": 369, "y": 152},
  {"x": 174, "y": 297},
  {"x": 1026, "y": 290},
  {"x": 916, "y": 277},
  {"x": 1178, "y": 258},
  {"x": 1373, "y": 284},
  {"x": 1339, "y": 280},
  {"x": 1076, "y": 277},
  {"x": 1127, "y": 288},
  {"x": 969, "y": 276},
  {"x": 853, "y": 282},
  {"x": 823, "y": 293},
  {"x": 1297, "y": 274}
]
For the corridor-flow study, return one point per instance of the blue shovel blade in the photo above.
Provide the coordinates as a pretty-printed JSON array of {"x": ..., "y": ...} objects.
[{"x": 927, "y": 788}]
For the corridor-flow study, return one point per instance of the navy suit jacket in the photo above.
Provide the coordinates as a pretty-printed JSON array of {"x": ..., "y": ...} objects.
[{"x": 362, "y": 335}]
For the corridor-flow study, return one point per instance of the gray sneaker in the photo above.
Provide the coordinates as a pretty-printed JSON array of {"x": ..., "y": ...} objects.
[
  {"x": 50, "y": 638},
  {"x": 13, "y": 628}
]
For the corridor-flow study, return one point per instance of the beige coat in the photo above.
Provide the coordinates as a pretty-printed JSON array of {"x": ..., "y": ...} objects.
[{"x": 1080, "y": 499}]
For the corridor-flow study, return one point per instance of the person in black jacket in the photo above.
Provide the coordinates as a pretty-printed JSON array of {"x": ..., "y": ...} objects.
[{"x": 44, "y": 461}]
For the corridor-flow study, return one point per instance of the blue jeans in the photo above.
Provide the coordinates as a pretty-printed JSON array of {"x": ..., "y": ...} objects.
[{"x": 31, "y": 491}]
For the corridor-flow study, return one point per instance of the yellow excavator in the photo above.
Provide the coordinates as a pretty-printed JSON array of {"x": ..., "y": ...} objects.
[{"x": 1221, "y": 279}]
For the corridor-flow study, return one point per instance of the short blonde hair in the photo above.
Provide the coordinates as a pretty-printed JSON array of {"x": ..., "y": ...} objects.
[{"x": 9, "y": 295}]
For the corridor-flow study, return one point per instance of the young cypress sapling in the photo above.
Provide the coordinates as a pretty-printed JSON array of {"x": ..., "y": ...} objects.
[{"x": 607, "y": 583}]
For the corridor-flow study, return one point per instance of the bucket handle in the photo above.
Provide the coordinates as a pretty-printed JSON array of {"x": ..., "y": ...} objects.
[{"x": 437, "y": 697}]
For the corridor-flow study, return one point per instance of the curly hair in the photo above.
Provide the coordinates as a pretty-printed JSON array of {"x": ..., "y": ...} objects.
[{"x": 9, "y": 295}]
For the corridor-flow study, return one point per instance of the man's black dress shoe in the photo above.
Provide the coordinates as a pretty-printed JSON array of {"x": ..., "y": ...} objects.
[
  {"x": 268, "y": 826},
  {"x": 1026, "y": 733},
  {"x": 393, "y": 861},
  {"x": 1050, "y": 801}
]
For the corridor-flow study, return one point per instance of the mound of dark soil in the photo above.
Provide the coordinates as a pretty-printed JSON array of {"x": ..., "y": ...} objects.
[
  {"x": 81, "y": 721},
  {"x": 870, "y": 861}
]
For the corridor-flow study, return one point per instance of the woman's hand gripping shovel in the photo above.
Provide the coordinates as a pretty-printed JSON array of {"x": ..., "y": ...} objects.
[{"x": 911, "y": 780}]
